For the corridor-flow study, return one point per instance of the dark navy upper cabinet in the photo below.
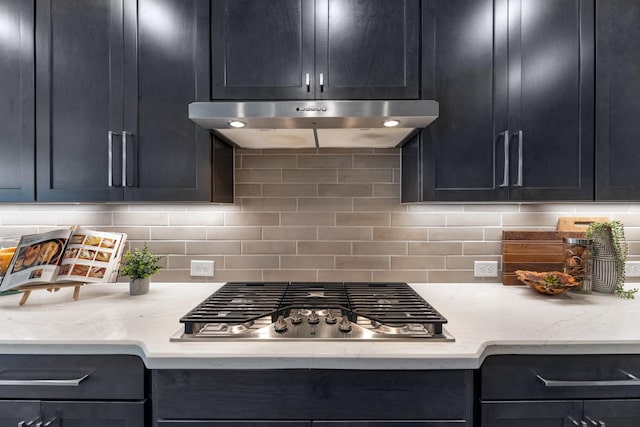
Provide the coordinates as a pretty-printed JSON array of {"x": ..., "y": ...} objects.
[
  {"x": 17, "y": 179},
  {"x": 114, "y": 80},
  {"x": 548, "y": 110},
  {"x": 79, "y": 87},
  {"x": 514, "y": 79},
  {"x": 617, "y": 94},
  {"x": 455, "y": 154},
  {"x": 262, "y": 49},
  {"x": 315, "y": 49}
]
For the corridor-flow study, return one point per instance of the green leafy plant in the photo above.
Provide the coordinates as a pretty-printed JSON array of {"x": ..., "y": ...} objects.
[
  {"x": 139, "y": 264},
  {"x": 613, "y": 231},
  {"x": 552, "y": 279}
]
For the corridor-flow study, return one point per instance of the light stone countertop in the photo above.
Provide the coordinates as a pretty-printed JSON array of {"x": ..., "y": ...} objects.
[{"x": 485, "y": 319}]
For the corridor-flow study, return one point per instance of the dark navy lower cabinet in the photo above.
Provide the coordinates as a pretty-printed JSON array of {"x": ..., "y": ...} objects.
[
  {"x": 79, "y": 391},
  {"x": 345, "y": 423},
  {"x": 312, "y": 398},
  {"x": 560, "y": 391}
]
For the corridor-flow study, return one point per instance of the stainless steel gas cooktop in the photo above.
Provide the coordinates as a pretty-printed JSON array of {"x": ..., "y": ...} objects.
[{"x": 313, "y": 311}]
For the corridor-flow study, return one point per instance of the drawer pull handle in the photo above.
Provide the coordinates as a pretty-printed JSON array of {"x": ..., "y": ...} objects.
[
  {"x": 632, "y": 380},
  {"x": 26, "y": 423},
  {"x": 47, "y": 424},
  {"x": 596, "y": 423},
  {"x": 72, "y": 382},
  {"x": 576, "y": 423}
]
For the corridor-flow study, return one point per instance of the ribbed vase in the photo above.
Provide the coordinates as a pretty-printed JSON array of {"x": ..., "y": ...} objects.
[{"x": 605, "y": 272}]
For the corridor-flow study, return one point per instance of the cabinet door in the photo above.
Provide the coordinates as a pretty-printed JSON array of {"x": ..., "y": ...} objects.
[
  {"x": 94, "y": 414},
  {"x": 13, "y": 412},
  {"x": 79, "y": 87},
  {"x": 531, "y": 414},
  {"x": 550, "y": 98},
  {"x": 367, "y": 49},
  {"x": 262, "y": 50},
  {"x": 17, "y": 179},
  {"x": 166, "y": 45},
  {"x": 617, "y": 92},
  {"x": 461, "y": 149},
  {"x": 612, "y": 413}
]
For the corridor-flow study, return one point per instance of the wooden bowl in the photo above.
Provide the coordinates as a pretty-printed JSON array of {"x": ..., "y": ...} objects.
[{"x": 540, "y": 281}]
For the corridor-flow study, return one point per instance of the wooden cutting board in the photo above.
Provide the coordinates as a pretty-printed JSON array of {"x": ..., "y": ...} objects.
[
  {"x": 578, "y": 223},
  {"x": 532, "y": 250}
]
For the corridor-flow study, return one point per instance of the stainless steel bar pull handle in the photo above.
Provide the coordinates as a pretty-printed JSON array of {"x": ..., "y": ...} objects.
[
  {"x": 124, "y": 157},
  {"x": 321, "y": 82},
  {"x": 47, "y": 423},
  {"x": 631, "y": 380},
  {"x": 308, "y": 81},
  {"x": 520, "y": 158},
  {"x": 26, "y": 423},
  {"x": 505, "y": 177},
  {"x": 110, "y": 135},
  {"x": 71, "y": 382},
  {"x": 596, "y": 423},
  {"x": 578, "y": 423}
]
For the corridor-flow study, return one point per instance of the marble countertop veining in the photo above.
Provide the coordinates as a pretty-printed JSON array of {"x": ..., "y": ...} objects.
[{"x": 485, "y": 319}]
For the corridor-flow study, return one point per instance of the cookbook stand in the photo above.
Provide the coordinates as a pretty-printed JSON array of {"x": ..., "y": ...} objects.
[{"x": 51, "y": 287}]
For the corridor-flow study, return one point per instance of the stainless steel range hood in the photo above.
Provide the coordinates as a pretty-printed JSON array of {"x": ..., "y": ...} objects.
[{"x": 309, "y": 124}]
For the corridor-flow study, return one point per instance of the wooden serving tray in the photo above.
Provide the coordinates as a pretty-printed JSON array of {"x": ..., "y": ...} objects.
[{"x": 532, "y": 250}]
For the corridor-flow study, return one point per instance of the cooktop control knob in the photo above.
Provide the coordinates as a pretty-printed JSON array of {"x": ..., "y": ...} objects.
[
  {"x": 313, "y": 318},
  {"x": 296, "y": 318},
  {"x": 344, "y": 325},
  {"x": 280, "y": 325},
  {"x": 331, "y": 318}
]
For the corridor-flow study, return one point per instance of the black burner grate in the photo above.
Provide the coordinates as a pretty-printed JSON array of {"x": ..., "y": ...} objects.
[
  {"x": 243, "y": 302},
  {"x": 237, "y": 303},
  {"x": 316, "y": 295},
  {"x": 392, "y": 304}
]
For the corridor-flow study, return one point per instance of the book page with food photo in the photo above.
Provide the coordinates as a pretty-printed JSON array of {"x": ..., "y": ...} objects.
[{"x": 58, "y": 256}]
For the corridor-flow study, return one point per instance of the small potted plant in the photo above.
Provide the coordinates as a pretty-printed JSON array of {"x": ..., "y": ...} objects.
[{"x": 139, "y": 265}]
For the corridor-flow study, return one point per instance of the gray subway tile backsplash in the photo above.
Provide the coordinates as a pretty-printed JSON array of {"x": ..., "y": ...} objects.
[{"x": 317, "y": 215}]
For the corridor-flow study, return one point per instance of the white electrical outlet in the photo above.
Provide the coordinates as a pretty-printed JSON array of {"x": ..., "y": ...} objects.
[
  {"x": 485, "y": 268},
  {"x": 632, "y": 269},
  {"x": 201, "y": 268}
]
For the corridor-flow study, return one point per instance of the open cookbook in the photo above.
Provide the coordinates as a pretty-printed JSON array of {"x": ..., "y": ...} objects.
[{"x": 58, "y": 256}]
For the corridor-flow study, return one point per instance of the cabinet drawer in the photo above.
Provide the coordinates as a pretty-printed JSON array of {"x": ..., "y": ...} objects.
[
  {"x": 555, "y": 376},
  {"x": 313, "y": 394},
  {"x": 112, "y": 377}
]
